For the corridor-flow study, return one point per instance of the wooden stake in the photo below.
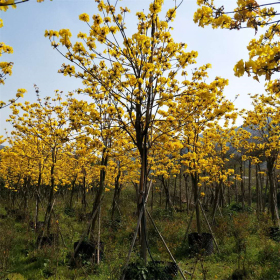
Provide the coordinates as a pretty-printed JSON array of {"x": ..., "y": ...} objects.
[
  {"x": 209, "y": 226},
  {"x": 98, "y": 235},
  {"x": 162, "y": 239},
  {"x": 43, "y": 233},
  {"x": 189, "y": 225},
  {"x": 135, "y": 233},
  {"x": 86, "y": 231}
]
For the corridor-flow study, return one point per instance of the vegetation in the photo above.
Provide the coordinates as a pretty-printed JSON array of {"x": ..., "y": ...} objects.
[{"x": 151, "y": 179}]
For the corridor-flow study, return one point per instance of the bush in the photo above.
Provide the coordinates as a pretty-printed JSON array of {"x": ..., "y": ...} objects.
[
  {"x": 69, "y": 212},
  {"x": 237, "y": 207},
  {"x": 153, "y": 271}
]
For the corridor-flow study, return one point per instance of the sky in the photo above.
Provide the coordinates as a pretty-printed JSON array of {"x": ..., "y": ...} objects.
[{"x": 36, "y": 62}]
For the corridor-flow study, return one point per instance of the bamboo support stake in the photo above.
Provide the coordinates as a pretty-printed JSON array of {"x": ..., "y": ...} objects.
[
  {"x": 40, "y": 201},
  {"x": 59, "y": 229},
  {"x": 219, "y": 208},
  {"x": 98, "y": 235},
  {"x": 40, "y": 241},
  {"x": 189, "y": 225},
  {"x": 132, "y": 245},
  {"x": 209, "y": 226},
  {"x": 135, "y": 233},
  {"x": 85, "y": 232},
  {"x": 163, "y": 241},
  {"x": 118, "y": 209}
]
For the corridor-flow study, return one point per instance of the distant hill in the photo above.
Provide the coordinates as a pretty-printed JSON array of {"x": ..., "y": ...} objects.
[{"x": 2, "y": 147}]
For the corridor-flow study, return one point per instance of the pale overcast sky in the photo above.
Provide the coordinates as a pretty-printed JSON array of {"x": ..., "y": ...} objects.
[{"x": 35, "y": 61}]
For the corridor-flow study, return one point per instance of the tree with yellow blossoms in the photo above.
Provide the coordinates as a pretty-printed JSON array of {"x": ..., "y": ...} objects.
[
  {"x": 264, "y": 57},
  {"x": 81, "y": 168},
  {"x": 207, "y": 106},
  {"x": 34, "y": 151},
  {"x": 164, "y": 161},
  {"x": 264, "y": 120},
  {"x": 240, "y": 141},
  {"x": 124, "y": 169},
  {"x": 139, "y": 76},
  {"x": 17, "y": 169},
  {"x": 216, "y": 167},
  {"x": 46, "y": 120},
  {"x": 95, "y": 124}
]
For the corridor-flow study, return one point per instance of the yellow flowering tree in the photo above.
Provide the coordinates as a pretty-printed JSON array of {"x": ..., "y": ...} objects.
[
  {"x": 124, "y": 168},
  {"x": 96, "y": 127},
  {"x": 46, "y": 121},
  {"x": 164, "y": 161},
  {"x": 33, "y": 151},
  {"x": 198, "y": 111},
  {"x": 135, "y": 76},
  {"x": 240, "y": 141},
  {"x": 263, "y": 52},
  {"x": 264, "y": 119},
  {"x": 216, "y": 167},
  {"x": 17, "y": 171}
]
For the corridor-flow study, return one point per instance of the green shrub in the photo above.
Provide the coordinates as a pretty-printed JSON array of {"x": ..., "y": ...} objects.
[
  {"x": 153, "y": 271},
  {"x": 69, "y": 212},
  {"x": 237, "y": 207}
]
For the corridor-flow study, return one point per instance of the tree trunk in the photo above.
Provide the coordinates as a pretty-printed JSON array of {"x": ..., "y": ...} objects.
[
  {"x": 160, "y": 194},
  {"x": 249, "y": 184},
  {"x": 187, "y": 193},
  {"x": 152, "y": 199},
  {"x": 261, "y": 178},
  {"x": 72, "y": 192},
  {"x": 136, "y": 192},
  {"x": 265, "y": 192},
  {"x": 174, "y": 193},
  {"x": 228, "y": 190},
  {"x": 216, "y": 200},
  {"x": 84, "y": 202},
  {"x": 47, "y": 221},
  {"x": 242, "y": 186},
  {"x": 235, "y": 185},
  {"x": 180, "y": 189},
  {"x": 222, "y": 196},
  {"x": 96, "y": 204},
  {"x": 168, "y": 204},
  {"x": 116, "y": 195},
  {"x": 258, "y": 191},
  {"x": 141, "y": 201},
  {"x": 37, "y": 200},
  {"x": 196, "y": 197},
  {"x": 272, "y": 206},
  {"x": 98, "y": 235}
]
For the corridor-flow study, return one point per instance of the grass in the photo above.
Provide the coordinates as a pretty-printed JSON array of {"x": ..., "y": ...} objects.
[{"x": 242, "y": 239}]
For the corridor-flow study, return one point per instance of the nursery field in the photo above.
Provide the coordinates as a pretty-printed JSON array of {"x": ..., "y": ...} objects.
[
  {"x": 123, "y": 156},
  {"x": 247, "y": 250}
]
